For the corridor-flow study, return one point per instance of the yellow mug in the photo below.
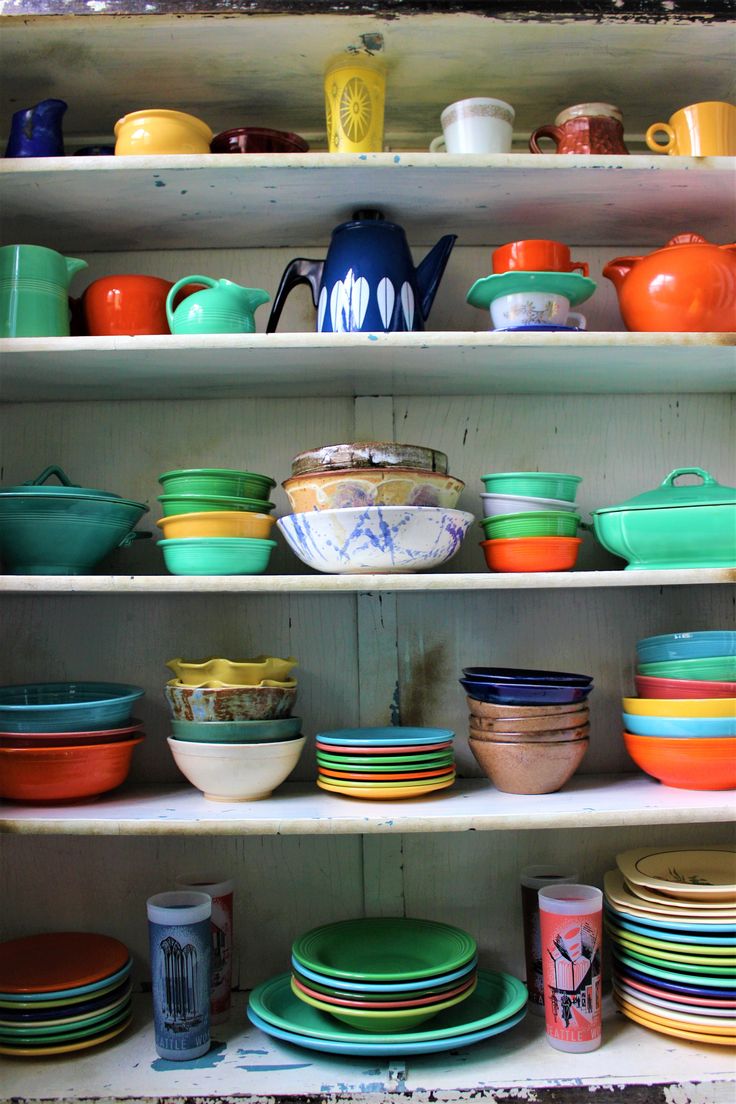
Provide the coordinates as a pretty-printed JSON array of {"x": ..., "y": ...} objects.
[
  {"x": 705, "y": 129},
  {"x": 355, "y": 94}
]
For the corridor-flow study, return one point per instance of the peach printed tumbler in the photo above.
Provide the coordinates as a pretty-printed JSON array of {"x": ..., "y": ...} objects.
[{"x": 570, "y": 918}]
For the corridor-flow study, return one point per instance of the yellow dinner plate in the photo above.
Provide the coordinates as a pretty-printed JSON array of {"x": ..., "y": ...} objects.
[
  {"x": 384, "y": 794},
  {"x": 65, "y": 1048},
  {"x": 670, "y": 1029}
]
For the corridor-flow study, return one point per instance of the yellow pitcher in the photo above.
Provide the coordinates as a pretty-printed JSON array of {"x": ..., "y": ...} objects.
[{"x": 355, "y": 93}]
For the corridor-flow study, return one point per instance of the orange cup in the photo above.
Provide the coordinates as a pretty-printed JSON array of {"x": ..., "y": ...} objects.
[
  {"x": 535, "y": 255},
  {"x": 531, "y": 553}
]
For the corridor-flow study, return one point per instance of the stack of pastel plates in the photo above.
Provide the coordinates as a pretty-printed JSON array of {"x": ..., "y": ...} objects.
[
  {"x": 365, "y": 986},
  {"x": 671, "y": 919},
  {"x": 385, "y": 763},
  {"x": 62, "y": 991}
]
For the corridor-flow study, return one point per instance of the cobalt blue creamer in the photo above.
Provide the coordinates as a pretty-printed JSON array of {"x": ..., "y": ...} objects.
[{"x": 368, "y": 282}]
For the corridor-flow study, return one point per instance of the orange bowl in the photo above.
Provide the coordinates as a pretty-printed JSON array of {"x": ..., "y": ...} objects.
[
  {"x": 531, "y": 553},
  {"x": 64, "y": 773},
  {"x": 687, "y": 764}
]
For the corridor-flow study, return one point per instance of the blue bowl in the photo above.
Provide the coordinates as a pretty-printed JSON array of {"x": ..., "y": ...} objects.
[
  {"x": 687, "y": 645},
  {"x": 524, "y": 693},
  {"x": 521, "y": 674},
  {"x": 680, "y": 726},
  {"x": 66, "y": 706}
]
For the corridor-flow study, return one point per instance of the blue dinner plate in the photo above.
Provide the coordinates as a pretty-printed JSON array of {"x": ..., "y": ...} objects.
[
  {"x": 671, "y": 986},
  {"x": 524, "y": 693},
  {"x": 662, "y": 932},
  {"x": 686, "y": 645},
  {"x": 716, "y": 986},
  {"x": 392, "y": 736},
  {"x": 77, "y": 991},
  {"x": 25, "y": 1015},
  {"x": 384, "y": 987},
  {"x": 521, "y": 674}
]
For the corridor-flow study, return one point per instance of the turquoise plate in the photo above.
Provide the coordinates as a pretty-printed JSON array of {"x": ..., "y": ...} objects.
[
  {"x": 642, "y": 928},
  {"x": 572, "y": 285},
  {"x": 395, "y": 736}
]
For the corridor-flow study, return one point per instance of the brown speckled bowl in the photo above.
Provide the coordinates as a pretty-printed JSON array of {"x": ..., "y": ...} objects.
[
  {"x": 369, "y": 454},
  {"x": 559, "y": 736},
  {"x": 530, "y": 725},
  {"x": 491, "y": 709},
  {"x": 529, "y": 768},
  {"x": 230, "y": 703}
]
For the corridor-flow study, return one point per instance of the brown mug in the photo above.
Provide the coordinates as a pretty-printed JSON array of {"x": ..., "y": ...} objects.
[{"x": 584, "y": 128}]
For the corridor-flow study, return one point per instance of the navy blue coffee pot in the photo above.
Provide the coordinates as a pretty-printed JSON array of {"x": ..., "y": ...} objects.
[
  {"x": 368, "y": 282},
  {"x": 36, "y": 131}
]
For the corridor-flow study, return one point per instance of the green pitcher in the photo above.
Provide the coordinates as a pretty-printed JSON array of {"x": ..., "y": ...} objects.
[
  {"x": 34, "y": 291},
  {"x": 222, "y": 307}
]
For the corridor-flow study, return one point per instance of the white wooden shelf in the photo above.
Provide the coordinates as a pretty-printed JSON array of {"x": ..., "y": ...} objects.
[
  {"x": 244, "y": 1064},
  {"x": 299, "y": 808},
  {"x": 93, "y": 204},
  {"x": 431, "y": 363}
]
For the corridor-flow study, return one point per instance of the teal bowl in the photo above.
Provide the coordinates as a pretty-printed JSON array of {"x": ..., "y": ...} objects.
[
  {"x": 66, "y": 706},
  {"x": 710, "y": 669},
  {"x": 216, "y": 555},
  {"x": 237, "y": 732},
  {"x": 707, "y": 727},
  {"x": 534, "y": 484},
  {"x": 536, "y": 523},
  {"x": 217, "y": 481},
  {"x": 197, "y": 504}
]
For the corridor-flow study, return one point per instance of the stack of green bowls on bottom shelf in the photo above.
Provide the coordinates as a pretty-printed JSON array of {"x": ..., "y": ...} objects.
[
  {"x": 368, "y": 986},
  {"x": 216, "y": 521},
  {"x": 530, "y": 521}
]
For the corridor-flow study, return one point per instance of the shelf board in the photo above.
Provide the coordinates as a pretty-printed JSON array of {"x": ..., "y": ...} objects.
[
  {"x": 296, "y": 364},
  {"x": 587, "y": 801},
  {"x": 93, "y": 204},
  {"x": 245, "y": 1064},
  {"x": 360, "y": 584}
]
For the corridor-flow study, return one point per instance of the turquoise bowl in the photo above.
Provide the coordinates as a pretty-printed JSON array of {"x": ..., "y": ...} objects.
[
  {"x": 534, "y": 484},
  {"x": 237, "y": 732},
  {"x": 198, "y": 503},
  {"x": 216, "y": 555},
  {"x": 217, "y": 481},
  {"x": 686, "y": 645},
  {"x": 66, "y": 706},
  {"x": 680, "y": 726}
]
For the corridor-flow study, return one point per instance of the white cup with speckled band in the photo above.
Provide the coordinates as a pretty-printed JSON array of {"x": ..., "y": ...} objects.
[
  {"x": 477, "y": 125},
  {"x": 220, "y": 892}
]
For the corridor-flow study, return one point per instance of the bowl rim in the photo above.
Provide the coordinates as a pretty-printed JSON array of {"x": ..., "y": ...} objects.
[
  {"x": 366, "y": 473},
  {"x": 231, "y": 748},
  {"x": 130, "y": 692},
  {"x": 344, "y": 511},
  {"x": 232, "y": 544},
  {"x": 88, "y": 749}
]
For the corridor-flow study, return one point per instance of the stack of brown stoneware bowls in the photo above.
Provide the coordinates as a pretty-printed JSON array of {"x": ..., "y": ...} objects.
[{"x": 529, "y": 730}]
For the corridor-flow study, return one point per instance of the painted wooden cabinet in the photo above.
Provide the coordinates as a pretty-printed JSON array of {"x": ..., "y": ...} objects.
[{"x": 619, "y": 409}]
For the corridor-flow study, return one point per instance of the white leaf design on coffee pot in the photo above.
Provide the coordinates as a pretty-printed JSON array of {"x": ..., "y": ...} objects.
[
  {"x": 337, "y": 297},
  {"x": 355, "y": 294},
  {"x": 386, "y": 300},
  {"x": 407, "y": 304},
  {"x": 322, "y": 308}
]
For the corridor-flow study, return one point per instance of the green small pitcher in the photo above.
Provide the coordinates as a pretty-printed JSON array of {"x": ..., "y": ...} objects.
[
  {"x": 222, "y": 307},
  {"x": 34, "y": 291}
]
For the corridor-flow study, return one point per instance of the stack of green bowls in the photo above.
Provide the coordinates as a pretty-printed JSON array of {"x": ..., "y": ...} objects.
[
  {"x": 216, "y": 521},
  {"x": 530, "y": 521}
]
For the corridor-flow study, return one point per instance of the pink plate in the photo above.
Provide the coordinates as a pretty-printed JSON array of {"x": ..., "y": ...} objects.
[
  {"x": 681, "y": 999},
  {"x": 648, "y": 687},
  {"x": 416, "y": 749},
  {"x": 383, "y": 1006},
  {"x": 69, "y": 739}
]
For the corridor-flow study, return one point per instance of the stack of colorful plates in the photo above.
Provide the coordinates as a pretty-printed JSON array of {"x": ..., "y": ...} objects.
[
  {"x": 671, "y": 919},
  {"x": 62, "y": 991},
  {"x": 365, "y": 987},
  {"x": 385, "y": 763}
]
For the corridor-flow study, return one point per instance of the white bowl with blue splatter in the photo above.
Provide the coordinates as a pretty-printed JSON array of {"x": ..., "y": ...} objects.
[{"x": 376, "y": 538}]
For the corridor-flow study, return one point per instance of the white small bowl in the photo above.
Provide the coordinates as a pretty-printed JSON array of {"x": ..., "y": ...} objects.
[
  {"x": 376, "y": 538},
  {"x": 236, "y": 772},
  {"x": 494, "y": 504}
]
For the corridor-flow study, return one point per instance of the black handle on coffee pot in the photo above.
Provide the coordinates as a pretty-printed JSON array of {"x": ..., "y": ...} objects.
[{"x": 301, "y": 270}]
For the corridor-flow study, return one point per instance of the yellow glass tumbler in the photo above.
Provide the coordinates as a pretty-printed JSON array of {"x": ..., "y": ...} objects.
[{"x": 355, "y": 94}]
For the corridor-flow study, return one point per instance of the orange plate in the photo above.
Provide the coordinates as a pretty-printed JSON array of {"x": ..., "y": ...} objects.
[
  {"x": 689, "y": 764},
  {"x": 531, "y": 553},
  {"x": 64, "y": 773},
  {"x": 58, "y": 960},
  {"x": 374, "y": 776}
]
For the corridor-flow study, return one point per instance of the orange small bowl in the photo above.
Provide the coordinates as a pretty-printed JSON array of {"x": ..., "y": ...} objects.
[
  {"x": 686, "y": 764},
  {"x": 65, "y": 773},
  {"x": 531, "y": 553}
]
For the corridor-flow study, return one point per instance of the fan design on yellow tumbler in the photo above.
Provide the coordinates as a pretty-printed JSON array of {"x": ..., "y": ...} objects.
[{"x": 355, "y": 109}]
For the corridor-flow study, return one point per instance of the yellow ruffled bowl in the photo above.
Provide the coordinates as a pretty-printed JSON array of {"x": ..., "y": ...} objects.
[
  {"x": 259, "y": 671},
  {"x": 217, "y": 523},
  {"x": 680, "y": 707}
]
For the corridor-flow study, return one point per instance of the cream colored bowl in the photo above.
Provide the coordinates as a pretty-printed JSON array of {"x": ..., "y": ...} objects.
[
  {"x": 160, "y": 131},
  {"x": 234, "y": 672},
  {"x": 217, "y": 523},
  {"x": 236, "y": 772},
  {"x": 334, "y": 490}
]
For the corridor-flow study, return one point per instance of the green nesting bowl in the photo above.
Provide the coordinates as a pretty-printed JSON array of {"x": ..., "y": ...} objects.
[
  {"x": 237, "y": 732},
  {"x": 535, "y": 484},
  {"x": 716, "y": 669},
  {"x": 217, "y": 481},
  {"x": 198, "y": 504},
  {"x": 536, "y": 523},
  {"x": 216, "y": 555}
]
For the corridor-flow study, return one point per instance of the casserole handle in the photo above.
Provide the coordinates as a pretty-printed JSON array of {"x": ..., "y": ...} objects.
[{"x": 704, "y": 475}]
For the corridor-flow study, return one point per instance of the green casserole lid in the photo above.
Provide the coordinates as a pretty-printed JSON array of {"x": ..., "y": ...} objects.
[
  {"x": 38, "y": 486},
  {"x": 667, "y": 495}
]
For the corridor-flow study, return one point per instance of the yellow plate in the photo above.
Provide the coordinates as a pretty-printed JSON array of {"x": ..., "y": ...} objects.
[
  {"x": 217, "y": 523},
  {"x": 389, "y": 795},
  {"x": 680, "y": 707},
  {"x": 669, "y": 1029},
  {"x": 65, "y": 1048},
  {"x": 232, "y": 672}
]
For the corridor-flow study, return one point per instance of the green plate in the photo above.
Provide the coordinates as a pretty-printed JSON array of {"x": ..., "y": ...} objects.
[
  {"x": 574, "y": 287},
  {"x": 382, "y": 763},
  {"x": 700, "y": 949},
  {"x": 497, "y": 998},
  {"x": 384, "y": 949},
  {"x": 717, "y": 669},
  {"x": 683, "y": 977},
  {"x": 391, "y": 1020},
  {"x": 677, "y": 964},
  {"x": 47, "y": 1037},
  {"x": 376, "y": 783},
  {"x": 369, "y": 995}
]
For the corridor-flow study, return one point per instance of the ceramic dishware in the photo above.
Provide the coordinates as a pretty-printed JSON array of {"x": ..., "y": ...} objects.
[
  {"x": 647, "y": 687},
  {"x": 540, "y": 484},
  {"x": 180, "y": 944},
  {"x": 376, "y": 487},
  {"x": 532, "y": 553},
  {"x": 524, "y": 693},
  {"x": 173, "y": 504},
  {"x": 369, "y": 454},
  {"x": 535, "y": 255},
  {"x": 408, "y": 999},
  {"x": 355, "y": 94},
  {"x": 237, "y": 672},
  {"x": 710, "y": 668},
  {"x": 220, "y": 892},
  {"x": 476, "y": 125},
  {"x": 218, "y": 482},
  {"x": 51, "y": 962},
  {"x": 71, "y": 739},
  {"x": 527, "y": 674},
  {"x": 368, "y": 281},
  {"x": 584, "y": 128},
  {"x": 160, "y": 131},
  {"x": 534, "y": 308},
  {"x": 217, "y": 523},
  {"x": 495, "y": 504},
  {"x": 700, "y": 763},
  {"x": 571, "y": 933},
  {"x": 687, "y": 727},
  {"x": 529, "y": 767},
  {"x": 681, "y": 708},
  {"x": 688, "y": 286},
  {"x": 706, "y": 129},
  {"x": 375, "y": 1020},
  {"x": 34, "y": 291},
  {"x": 532, "y": 523},
  {"x": 236, "y": 772},
  {"x": 229, "y": 703},
  {"x": 570, "y": 285},
  {"x": 686, "y": 645},
  {"x": 217, "y": 555},
  {"x": 255, "y": 139},
  {"x": 221, "y": 307},
  {"x": 126, "y": 305},
  {"x": 66, "y": 706},
  {"x": 37, "y": 131},
  {"x": 391, "y": 736},
  {"x": 64, "y": 773},
  {"x": 237, "y": 732}
]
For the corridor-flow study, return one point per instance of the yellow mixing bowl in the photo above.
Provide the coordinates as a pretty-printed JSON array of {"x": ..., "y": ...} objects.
[
  {"x": 159, "y": 131},
  {"x": 218, "y": 523},
  {"x": 232, "y": 672},
  {"x": 681, "y": 707}
]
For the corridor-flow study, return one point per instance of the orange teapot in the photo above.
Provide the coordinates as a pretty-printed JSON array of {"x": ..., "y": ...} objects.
[{"x": 689, "y": 286}]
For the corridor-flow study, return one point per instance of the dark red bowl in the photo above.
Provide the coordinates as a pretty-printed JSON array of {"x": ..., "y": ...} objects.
[{"x": 257, "y": 140}]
